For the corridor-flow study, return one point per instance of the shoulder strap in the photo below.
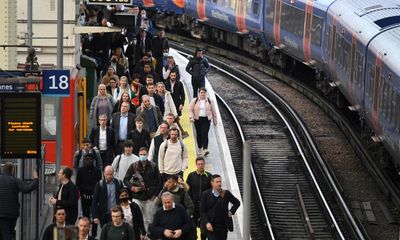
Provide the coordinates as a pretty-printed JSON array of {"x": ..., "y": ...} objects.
[
  {"x": 182, "y": 148},
  {"x": 165, "y": 147},
  {"x": 197, "y": 99},
  {"x": 119, "y": 160}
]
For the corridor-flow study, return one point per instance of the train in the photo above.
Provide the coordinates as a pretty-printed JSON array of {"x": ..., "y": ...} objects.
[{"x": 352, "y": 46}]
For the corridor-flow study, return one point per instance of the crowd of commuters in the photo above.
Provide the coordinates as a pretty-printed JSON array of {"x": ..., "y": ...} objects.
[{"x": 129, "y": 172}]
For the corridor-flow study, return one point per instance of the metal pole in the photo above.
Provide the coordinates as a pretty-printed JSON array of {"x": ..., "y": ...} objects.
[
  {"x": 60, "y": 34},
  {"x": 246, "y": 189},
  {"x": 29, "y": 26}
]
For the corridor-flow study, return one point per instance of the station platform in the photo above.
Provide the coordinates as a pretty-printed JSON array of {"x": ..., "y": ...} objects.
[{"x": 219, "y": 160}]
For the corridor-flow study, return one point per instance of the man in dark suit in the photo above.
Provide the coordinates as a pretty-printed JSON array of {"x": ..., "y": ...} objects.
[
  {"x": 102, "y": 139},
  {"x": 143, "y": 44},
  {"x": 122, "y": 122},
  {"x": 105, "y": 197},
  {"x": 216, "y": 219},
  {"x": 66, "y": 196},
  {"x": 178, "y": 96}
]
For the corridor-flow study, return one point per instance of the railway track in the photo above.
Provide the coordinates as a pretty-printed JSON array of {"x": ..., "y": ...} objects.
[{"x": 295, "y": 201}]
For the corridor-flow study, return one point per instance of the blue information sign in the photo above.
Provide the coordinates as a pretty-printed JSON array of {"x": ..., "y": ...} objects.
[{"x": 56, "y": 83}]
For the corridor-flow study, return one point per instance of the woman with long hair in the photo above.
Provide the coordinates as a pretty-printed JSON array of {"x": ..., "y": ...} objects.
[
  {"x": 123, "y": 87},
  {"x": 101, "y": 104},
  {"x": 124, "y": 98}
]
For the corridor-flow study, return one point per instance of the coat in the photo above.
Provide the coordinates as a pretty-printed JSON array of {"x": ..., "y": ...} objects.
[
  {"x": 115, "y": 124},
  {"x": 177, "y": 93},
  {"x": 10, "y": 187},
  {"x": 69, "y": 201},
  {"x": 110, "y": 140},
  {"x": 93, "y": 109},
  {"x": 99, "y": 201},
  {"x": 211, "y": 208},
  {"x": 157, "y": 115}
]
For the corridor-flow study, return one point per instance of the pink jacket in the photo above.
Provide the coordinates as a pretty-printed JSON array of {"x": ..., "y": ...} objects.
[{"x": 194, "y": 110}]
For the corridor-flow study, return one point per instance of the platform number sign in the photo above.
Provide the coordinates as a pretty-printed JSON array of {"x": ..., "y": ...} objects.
[{"x": 56, "y": 83}]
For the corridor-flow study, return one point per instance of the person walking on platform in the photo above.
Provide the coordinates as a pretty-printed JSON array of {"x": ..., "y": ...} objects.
[
  {"x": 84, "y": 228},
  {"x": 59, "y": 217},
  {"x": 171, "y": 220},
  {"x": 180, "y": 195},
  {"x": 156, "y": 142},
  {"x": 198, "y": 181},
  {"x": 103, "y": 103},
  {"x": 10, "y": 187},
  {"x": 132, "y": 214},
  {"x": 117, "y": 229},
  {"x": 143, "y": 181},
  {"x": 102, "y": 140},
  {"x": 122, "y": 123},
  {"x": 178, "y": 96},
  {"x": 105, "y": 196},
  {"x": 139, "y": 136},
  {"x": 122, "y": 162},
  {"x": 160, "y": 43},
  {"x": 87, "y": 149},
  {"x": 150, "y": 114},
  {"x": 216, "y": 218},
  {"x": 172, "y": 156},
  {"x": 86, "y": 180},
  {"x": 66, "y": 196},
  {"x": 198, "y": 67},
  {"x": 201, "y": 112}
]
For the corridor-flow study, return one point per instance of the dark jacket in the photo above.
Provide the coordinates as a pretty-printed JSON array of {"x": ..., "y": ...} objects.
[
  {"x": 95, "y": 137},
  {"x": 151, "y": 179},
  {"x": 181, "y": 197},
  {"x": 48, "y": 233},
  {"x": 198, "y": 67},
  {"x": 214, "y": 210},
  {"x": 198, "y": 184},
  {"x": 139, "y": 47},
  {"x": 178, "y": 94},
  {"x": 137, "y": 221},
  {"x": 10, "y": 187},
  {"x": 120, "y": 71},
  {"x": 117, "y": 106},
  {"x": 159, "y": 102},
  {"x": 158, "y": 45},
  {"x": 86, "y": 179},
  {"x": 157, "y": 115},
  {"x": 97, "y": 159},
  {"x": 140, "y": 139},
  {"x": 115, "y": 124},
  {"x": 99, "y": 202},
  {"x": 173, "y": 219},
  {"x": 69, "y": 201}
]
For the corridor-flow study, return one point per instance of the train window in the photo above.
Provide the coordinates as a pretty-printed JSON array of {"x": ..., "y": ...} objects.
[
  {"x": 49, "y": 111},
  {"x": 256, "y": 7},
  {"x": 384, "y": 96},
  {"x": 292, "y": 20},
  {"x": 269, "y": 10},
  {"x": 359, "y": 67},
  {"x": 316, "y": 30},
  {"x": 346, "y": 55},
  {"x": 248, "y": 6},
  {"x": 233, "y": 4},
  {"x": 336, "y": 49},
  {"x": 388, "y": 21},
  {"x": 393, "y": 105}
]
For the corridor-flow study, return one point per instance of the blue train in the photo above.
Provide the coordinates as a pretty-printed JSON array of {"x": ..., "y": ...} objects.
[{"x": 354, "y": 43}]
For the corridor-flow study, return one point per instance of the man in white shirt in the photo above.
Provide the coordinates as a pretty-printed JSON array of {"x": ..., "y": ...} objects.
[
  {"x": 122, "y": 162},
  {"x": 172, "y": 156}
]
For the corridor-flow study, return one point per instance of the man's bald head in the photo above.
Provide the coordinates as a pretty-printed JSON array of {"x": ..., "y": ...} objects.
[{"x": 108, "y": 173}]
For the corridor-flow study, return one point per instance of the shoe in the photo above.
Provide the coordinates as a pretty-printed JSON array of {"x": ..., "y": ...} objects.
[
  {"x": 199, "y": 152},
  {"x": 205, "y": 152},
  {"x": 185, "y": 135}
]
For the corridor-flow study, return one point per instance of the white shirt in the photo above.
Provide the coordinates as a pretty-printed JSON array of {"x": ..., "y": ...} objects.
[
  {"x": 103, "y": 139},
  {"x": 124, "y": 163},
  {"x": 127, "y": 214},
  {"x": 202, "y": 112}
]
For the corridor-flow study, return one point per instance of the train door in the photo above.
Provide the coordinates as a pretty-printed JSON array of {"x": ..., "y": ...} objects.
[
  {"x": 277, "y": 23},
  {"x": 307, "y": 31},
  {"x": 376, "y": 90},
  {"x": 241, "y": 16}
]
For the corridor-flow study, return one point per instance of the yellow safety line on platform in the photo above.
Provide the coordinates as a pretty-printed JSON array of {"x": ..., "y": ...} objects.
[{"x": 189, "y": 141}]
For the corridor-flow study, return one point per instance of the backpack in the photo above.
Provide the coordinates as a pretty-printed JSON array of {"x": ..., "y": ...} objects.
[
  {"x": 166, "y": 147},
  {"x": 117, "y": 167}
]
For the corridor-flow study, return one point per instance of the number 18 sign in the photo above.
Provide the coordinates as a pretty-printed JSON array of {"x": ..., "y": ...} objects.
[{"x": 56, "y": 83}]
